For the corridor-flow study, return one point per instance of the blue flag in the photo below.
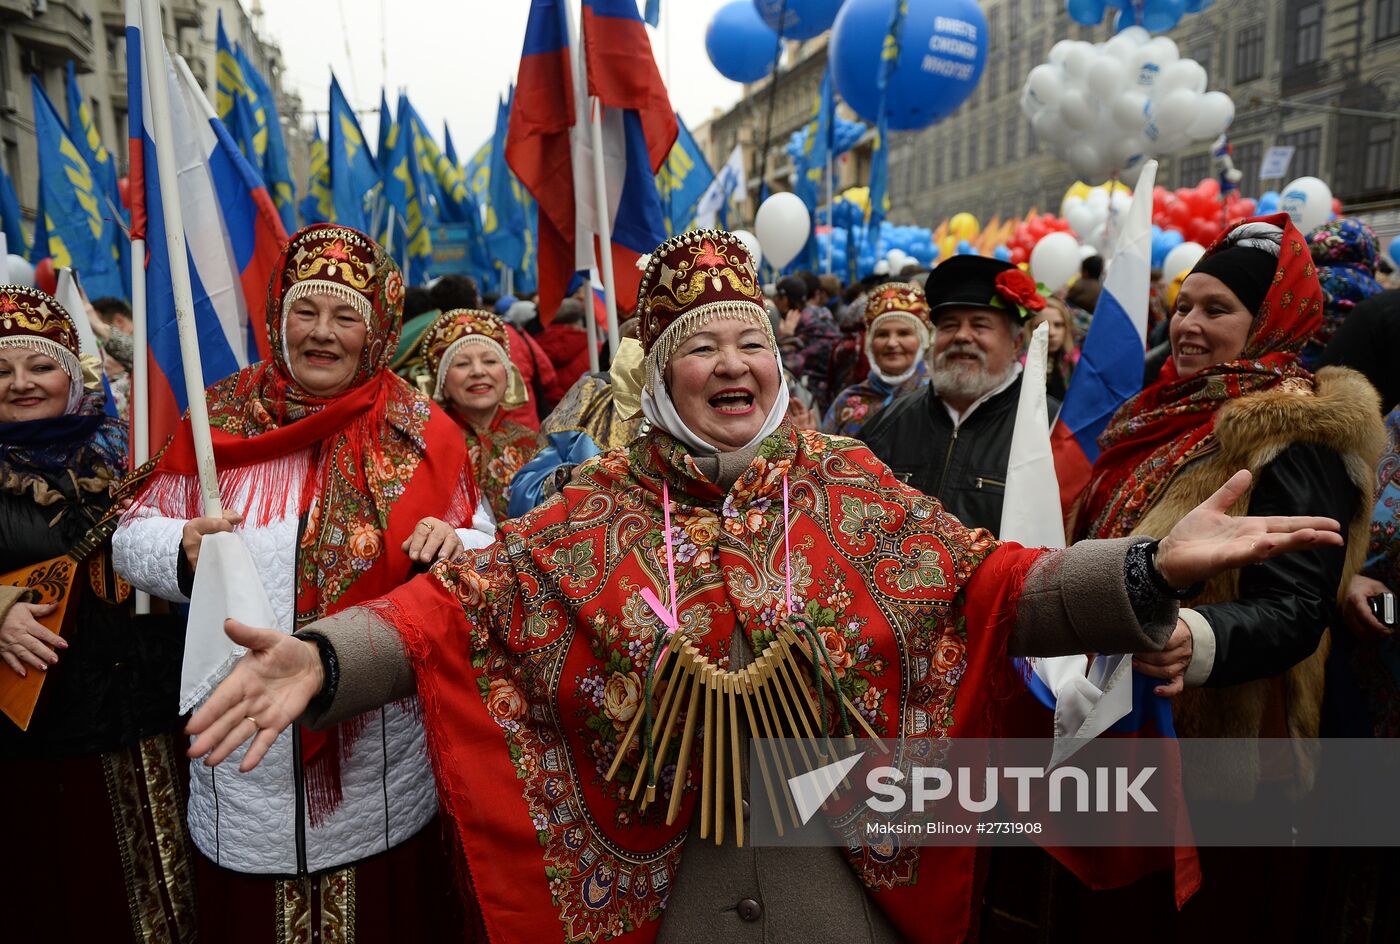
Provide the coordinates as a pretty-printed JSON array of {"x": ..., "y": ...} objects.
[
  {"x": 388, "y": 128},
  {"x": 405, "y": 189},
  {"x": 78, "y": 231},
  {"x": 83, "y": 130},
  {"x": 683, "y": 180},
  {"x": 653, "y": 14},
  {"x": 231, "y": 99},
  {"x": 276, "y": 169},
  {"x": 355, "y": 180},
  {"x": 505, "y": 215},
  {"x": 880, "y": 150},
  {"x": 9, "y": 217},
  {"x": 316, "y": 205}
]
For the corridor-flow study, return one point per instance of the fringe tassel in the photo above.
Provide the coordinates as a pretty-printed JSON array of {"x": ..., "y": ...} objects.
[{"x": 323, "y": 767}]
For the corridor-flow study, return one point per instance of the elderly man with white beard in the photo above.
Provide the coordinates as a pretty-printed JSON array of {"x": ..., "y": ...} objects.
[{"x": 952, "y": 438}]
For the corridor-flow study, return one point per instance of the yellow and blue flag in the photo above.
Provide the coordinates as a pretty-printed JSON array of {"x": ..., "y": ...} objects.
[
  {"x": 275, "y": 168},
  {"x": 355, "y": 179},
  {"x": 233, "y": 102},
  {"x": 880, "y": 149},
  {"x": 316, "y": 205},
  {"x": 406, "y": 191},
  {"x": 88, "y": 141},
  {"x": 683, "y": 180},
  {"x": 505, "y": 215},
  {"x": 77, "y": 229}
]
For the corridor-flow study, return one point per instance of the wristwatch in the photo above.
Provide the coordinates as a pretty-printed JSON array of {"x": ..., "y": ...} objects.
[{"x": 1164, "y": 588}]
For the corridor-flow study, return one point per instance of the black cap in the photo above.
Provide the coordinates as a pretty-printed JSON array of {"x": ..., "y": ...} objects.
[{"x": 966, "y": 280}]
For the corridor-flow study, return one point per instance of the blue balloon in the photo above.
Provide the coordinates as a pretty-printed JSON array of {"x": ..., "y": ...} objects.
[
  {"x": 798, "y": 19},
  {"x": 1086, "y": 12},
  {"x": 740, "y": 44},
  {"x": 1268, "y": 202},
  {"x": 1158, "y": 16},
  {"x": 965, "y": 248},
  {"x": 1163, "y": 242},
  {"x": 944, "y": 49},
  {"x": 1394, "y": 250},
  {"x": 1001, "y": 253}
]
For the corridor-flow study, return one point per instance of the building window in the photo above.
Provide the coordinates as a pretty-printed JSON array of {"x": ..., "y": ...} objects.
[
  {"x": 1249, "y": 53},
  {"x": 954, "y": 159},
  {"x": 923, "y": 171},
  {"x": 938, "y": 166},
  {"x": 1380, "y": 139},
  {"x": 973, "y": 154},
  {"x": 1307, "y": 153},
  {"x": 991, "y": 145},
  {"x": 1013, "y": 70},
  {"x": 1247, "y": 159},
  {"x": 991, "y": 80},
  {"x": 1307, "y": 34},
  {"x": 1201, "y": 53},
  {"x": 1013, "y": 140},
  {"x": 993, "y": 26},
  {"x": 1387, "y": 19},
  {"x": 1194, "y": 169},
  {"x": 1013, "y": 18}
]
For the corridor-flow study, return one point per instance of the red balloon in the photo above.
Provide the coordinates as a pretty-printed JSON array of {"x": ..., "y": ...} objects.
[
  {"x": 124, "y": 191},
  {"x": 1245, "y": 206},
  {"x": 1336, "y": 206},
  {"x": 1019, "y": 255},
  {"x": 45, "y": 276},
  {"x": 1209, "y": 187}
]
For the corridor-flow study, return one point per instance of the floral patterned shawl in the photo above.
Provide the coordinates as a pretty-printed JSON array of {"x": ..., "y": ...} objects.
[
  {"x": 529, "y": 658},
  {"x": 857, "y": 405},
  {"x": 497, "y": 454}
]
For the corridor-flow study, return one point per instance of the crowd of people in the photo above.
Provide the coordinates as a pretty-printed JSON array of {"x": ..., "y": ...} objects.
[{"x": 482, "y": 557}]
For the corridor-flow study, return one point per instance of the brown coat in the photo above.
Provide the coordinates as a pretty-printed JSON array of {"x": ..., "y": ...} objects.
[{"x": 1342, "y": 414}]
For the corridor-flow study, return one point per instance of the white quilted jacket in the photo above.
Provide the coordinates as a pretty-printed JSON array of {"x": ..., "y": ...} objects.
[{"x": 256, "y": 822}]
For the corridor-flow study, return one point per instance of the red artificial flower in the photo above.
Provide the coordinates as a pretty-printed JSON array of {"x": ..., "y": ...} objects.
[{"x": 1019, "y": 289}]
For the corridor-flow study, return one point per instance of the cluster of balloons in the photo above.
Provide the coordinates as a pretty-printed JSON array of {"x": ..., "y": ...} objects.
[
  {"x": 891, "y": 247},
  {"x": 943, "y": 49},
  {"x": 1029, "y": 233},
  {"x": 1198, "y": 213},
  {"x": 1156, "y": 16},
  {"x": 845, "y": 135},
  {"x": 1106, "y": 108},
  {"x": 1095, "y": 213}
]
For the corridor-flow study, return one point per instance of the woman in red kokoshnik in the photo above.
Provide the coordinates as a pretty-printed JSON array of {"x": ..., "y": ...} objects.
[
  {"x": 534, "y": 657},
  {"x": 342, "y": 480}
]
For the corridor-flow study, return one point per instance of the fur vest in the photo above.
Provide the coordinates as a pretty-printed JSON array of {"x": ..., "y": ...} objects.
[{"x": 1341, "y": 413}]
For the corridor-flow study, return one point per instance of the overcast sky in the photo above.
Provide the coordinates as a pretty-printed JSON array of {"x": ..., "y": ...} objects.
[{"x": 455, "y": 58}]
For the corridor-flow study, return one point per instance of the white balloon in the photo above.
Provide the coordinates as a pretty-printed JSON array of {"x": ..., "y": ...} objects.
[
  {"x": 1182, "y": 74},
  {"x": 1085, "y": 159},
  {"x": 1055, "y": 259},
  {"x": 1044, "y": 84},
  {"x": 752, "y": 243},
  {"x": 1029, "y": 105},
  {"x": 1164, "y": 51},
  {"x": 1308, "y": 201},
  {"x": 21, "y": 272},
  {"x": 1130, "y": 111},
  {"x": 1049, "y": 127},
  {"x": 1086, "y": 251},
  {"x": 1105, "y": 77},
  {"x": 1098, "y": 201},
  {"x": 1120, "y": 49},
  {"x": 1081, "y": 220},
  {"x": 1120, "y": 201},
  {"x": 782, "y": 226},
  {"x": 1059, "y": 51},
  {"x": 1078, "y": 58},
  {"x": 1214, "y": 113},
  {"x": 1136, "y": 35},
  {"x": 1182, "y": 258},
  {"x": 882, "y": 267},
  {"x": 1077, "y": 110},
  {"x": 1176, "y": 111}
]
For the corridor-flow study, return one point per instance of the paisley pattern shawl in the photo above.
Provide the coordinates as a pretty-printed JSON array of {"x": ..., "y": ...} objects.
[
  {"x": 1173, "y": 421},
  {"x": 530, "y": 658},
  {"x": 496, "y": 455}
]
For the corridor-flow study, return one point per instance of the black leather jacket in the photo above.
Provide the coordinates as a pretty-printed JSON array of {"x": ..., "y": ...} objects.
[{"x": 962, "y": 466}]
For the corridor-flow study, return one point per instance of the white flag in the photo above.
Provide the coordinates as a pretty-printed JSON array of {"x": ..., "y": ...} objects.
[{"x": 729, "y": 181}]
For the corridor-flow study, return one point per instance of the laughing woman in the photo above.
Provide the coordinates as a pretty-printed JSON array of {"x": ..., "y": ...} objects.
[
  {"x": 536, "y": 657},
  {"x": 96, "y": 848},
  {"x": 467, "y": 354},
  {"x": 896, "y": 336},
  {"x": 345, "y": 480}
]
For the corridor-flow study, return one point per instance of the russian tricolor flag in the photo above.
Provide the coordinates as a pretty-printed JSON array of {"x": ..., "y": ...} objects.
[
  {"x": 1111, "y": 362},
  {"x": 539, "y": 145},
  {"x": 639, "y": 130},
  {"x": 233, "y": 235}
]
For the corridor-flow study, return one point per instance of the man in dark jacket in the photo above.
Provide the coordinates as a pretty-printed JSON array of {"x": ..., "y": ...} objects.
[{"x": 952, "y": 438}]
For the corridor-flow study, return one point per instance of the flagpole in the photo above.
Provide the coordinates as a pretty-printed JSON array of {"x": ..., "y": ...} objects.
[
  {"x": 600, "y": 188},
  {"x": 830, "y": 206},
  {"x": 140, "y": 377},
  {"x": 153, "y": 49}
]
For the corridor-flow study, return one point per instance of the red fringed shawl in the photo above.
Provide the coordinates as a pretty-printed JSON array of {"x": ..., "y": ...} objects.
[{"x": 530, "y": 657}]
